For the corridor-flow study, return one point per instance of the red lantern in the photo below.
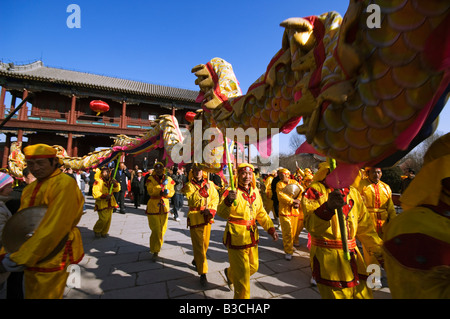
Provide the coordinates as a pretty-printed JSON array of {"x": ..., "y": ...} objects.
[
  {"x": 99, "y": 106},
  {"x": 190, "y": 116}
]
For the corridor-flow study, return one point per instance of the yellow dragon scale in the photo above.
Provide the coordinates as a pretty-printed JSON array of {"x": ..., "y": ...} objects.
[{"x": 362, "y": 93}]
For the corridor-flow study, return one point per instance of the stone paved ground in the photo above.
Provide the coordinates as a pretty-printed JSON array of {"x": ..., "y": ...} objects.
[{"x": 120, "y": 266}]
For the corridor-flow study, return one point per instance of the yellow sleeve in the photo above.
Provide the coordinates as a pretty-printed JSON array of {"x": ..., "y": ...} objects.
[
  {"x": 97, "y": 189},
  {"x": 213, "y": 197},
  {"x": 116, "y": 187},
  {"x": 223, "y": 210},
  {"x": 153, "y": 188},
  {"x": 188, "y": 190},
  {"x": 390, "y": 208},
  {"x": 64, "y": 211},
  {"x": 193, "y": 196},
  {"x": 282, "y": 197},
  {"x": 312, "y": 200}
]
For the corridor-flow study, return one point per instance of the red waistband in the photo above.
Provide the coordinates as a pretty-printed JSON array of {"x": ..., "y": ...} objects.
[
  {"x": 336, "y": 244},
  {"x": 243, "y": 222}
]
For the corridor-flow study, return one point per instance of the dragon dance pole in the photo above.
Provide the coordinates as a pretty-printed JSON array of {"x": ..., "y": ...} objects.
[
  {"x": 341, "y": 220},
  {"x": 230, "y": 165},
  {"x": 115, "y": 172}
]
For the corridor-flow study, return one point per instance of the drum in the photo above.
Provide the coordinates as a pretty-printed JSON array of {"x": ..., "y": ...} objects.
[
  {"x": 21, "y": 226},
  {"x": 293, "y": 190}
]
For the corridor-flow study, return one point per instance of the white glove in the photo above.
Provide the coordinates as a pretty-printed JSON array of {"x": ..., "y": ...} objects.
[{"x": 12, "y": 266}]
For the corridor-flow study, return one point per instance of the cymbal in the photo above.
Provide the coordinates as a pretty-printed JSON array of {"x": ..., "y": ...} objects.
[
  {"x": 21, "y": 226},
  {"x": 293, "y": 190}
]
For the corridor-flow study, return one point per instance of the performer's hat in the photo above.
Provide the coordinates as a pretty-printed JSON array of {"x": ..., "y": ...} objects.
[
  {"x": 39, "y": 151},
  {"x": 158, "y": 165},
  {"x": 246, "y": 166}
]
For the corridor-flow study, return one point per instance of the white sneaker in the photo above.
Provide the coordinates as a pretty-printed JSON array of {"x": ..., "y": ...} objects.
[
  {"x": 288, "y": 256},
  {"x": 313, "y": 282},
  {"x": 377, "y": 284},
  {"x": 177, "y": 219}
]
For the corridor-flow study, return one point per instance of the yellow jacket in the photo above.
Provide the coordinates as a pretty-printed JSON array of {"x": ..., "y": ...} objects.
[
  {"x": 328, "y": 263},
  {"x": 378, "y": 200},
  {"x": 198, "y": 199},
  {"x": 159, "y": 203},
  {"x": 61, "y": 194},
  {"x": 241, "y": 230},
  {"x": 100, "y": 190},
  {"x": 285, "y": 201}
]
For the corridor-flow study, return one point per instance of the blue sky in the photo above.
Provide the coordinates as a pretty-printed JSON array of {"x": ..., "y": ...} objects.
[{"x": 155, "y": 41}]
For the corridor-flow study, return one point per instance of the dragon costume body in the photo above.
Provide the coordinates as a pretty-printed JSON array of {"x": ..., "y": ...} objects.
[{"x": 361, "y": 95}]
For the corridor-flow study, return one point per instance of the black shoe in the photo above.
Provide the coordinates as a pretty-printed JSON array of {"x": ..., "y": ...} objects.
[
  {"x": 203, "y": 280},
  {"x": 122, "y": 212},
  {"x": 193, "y": 263}
]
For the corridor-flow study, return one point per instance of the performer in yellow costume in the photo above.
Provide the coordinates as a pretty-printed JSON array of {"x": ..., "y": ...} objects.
[
  {"x": 160, "y": 187},
  {"x": 242, "y": 208},
  {"x": 290, "y": 213},
  {"x": 336, "y": 277},
  {"x": 417, "y": 241},
  {"x": 105, "y": 201},
  {"x": 268, "y": 204},
  {"x": 203, "y": 199},
  {"x": 57, "y": 242},
  {"x": 377, "y": 197}
]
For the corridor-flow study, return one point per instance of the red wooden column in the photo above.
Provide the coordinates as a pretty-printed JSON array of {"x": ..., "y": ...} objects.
[
  {"x": 20, "y": 135},
  {"x": 6, "y": 150},
  {"x": 2, "y": 103},
  {"x": 123, "y": 122},
  {"x": 72, "y": 115},
  {"x": 69, "y": 144},
  {"x": 75, "y": 147},
  {"x": 13, "y": 103},
  {"x": 23, "y": 110}
]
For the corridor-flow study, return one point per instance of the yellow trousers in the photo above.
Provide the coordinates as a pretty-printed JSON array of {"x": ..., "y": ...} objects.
[
  {"x": 300, "y": 226},
  {"x": 290, "y": 231},
  {"x": 104, "y": 221},
  {"x": 45, "y": 285},
  {"x": 200, "y": 243},
  {"x": 158, "y": 227},
  {"x": 243, "y": 264},
  {"x": 360, "y": 291}
]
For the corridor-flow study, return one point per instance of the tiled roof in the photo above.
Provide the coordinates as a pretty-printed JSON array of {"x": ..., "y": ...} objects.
[{"x": 38, "y": 72}]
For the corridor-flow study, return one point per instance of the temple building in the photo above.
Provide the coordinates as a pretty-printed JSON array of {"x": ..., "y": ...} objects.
[{"x": 58, "y": 111}]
